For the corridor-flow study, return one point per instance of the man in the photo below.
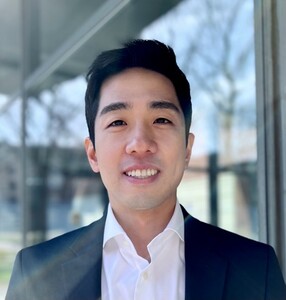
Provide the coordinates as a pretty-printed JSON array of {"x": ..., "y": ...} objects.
[{"x": 138, "y": 111}]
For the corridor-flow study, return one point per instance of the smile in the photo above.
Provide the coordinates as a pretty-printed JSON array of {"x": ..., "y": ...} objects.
[{"x": 142, "y": 174}]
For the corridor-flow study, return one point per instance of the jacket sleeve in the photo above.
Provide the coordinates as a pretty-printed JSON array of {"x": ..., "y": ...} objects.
[
  {"x": 17, "y": 286},
  {"x": 275, "y": 287}
]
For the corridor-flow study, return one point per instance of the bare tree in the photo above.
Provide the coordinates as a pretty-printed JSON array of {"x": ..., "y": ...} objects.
[{"x": 214, "y": 43}]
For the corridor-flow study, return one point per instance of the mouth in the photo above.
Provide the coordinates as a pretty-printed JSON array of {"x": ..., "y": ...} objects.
[{"x": 141, "y": 174}]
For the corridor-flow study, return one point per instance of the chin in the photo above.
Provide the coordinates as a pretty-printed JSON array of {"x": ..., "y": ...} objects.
[{"x": 145, "y": 204}]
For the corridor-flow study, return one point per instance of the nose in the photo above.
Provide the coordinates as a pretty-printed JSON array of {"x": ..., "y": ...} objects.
[{"x": 141, "y": 141}]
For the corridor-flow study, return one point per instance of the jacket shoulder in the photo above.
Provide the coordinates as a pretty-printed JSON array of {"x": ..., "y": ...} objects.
[
  {"x": 39, "y": 268},
  {"x": 63, "y": 247},
  {"x": 223, "y": 241},
  {"x": 252, "y": 266}
]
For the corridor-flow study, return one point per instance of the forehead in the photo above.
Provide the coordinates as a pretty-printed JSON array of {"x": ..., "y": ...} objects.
[{"x": 137, "y": 85}]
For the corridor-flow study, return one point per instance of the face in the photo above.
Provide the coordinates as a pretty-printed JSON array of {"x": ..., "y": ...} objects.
[{"x": 140, "y": 145}]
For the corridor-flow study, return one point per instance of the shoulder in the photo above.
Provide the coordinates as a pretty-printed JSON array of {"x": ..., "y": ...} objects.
[
  {"x": 250, "y": 264},
  {"x": 226, "y": 243},
  {"x": 64, "y": 244}
]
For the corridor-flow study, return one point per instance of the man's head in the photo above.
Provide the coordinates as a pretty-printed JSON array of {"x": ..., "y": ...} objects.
[
  {"x": 148, "y": 54},
  {"x": 138, "y": 110}
]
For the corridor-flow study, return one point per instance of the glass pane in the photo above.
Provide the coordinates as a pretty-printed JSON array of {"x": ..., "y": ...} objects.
[
  {"x": 63, "y": 193},
  {"x": 58, "y": 20},
  {"x": 10, "y": 187},
  {"x": 213, "y": 40},
  {"x": 10, "y": 126},
  {"x": 215, "y": 47},
  {"x": 10, "y": 46}
]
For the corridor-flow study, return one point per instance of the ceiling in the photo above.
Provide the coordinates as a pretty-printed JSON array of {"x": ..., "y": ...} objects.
[{"x": 59, "y": 38}]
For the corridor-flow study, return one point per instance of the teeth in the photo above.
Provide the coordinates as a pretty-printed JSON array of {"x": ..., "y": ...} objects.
[{"x": 142, "y": 173}]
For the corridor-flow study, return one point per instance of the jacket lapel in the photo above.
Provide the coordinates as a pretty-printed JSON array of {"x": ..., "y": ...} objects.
[
  {"x": 205, "y": 269},
  {"x": 82, "y": 272}
]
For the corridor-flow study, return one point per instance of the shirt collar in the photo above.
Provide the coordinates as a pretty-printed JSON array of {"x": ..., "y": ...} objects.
[
  {"x": 177, "y": 223},
  {"x": 113, "y": 228}
]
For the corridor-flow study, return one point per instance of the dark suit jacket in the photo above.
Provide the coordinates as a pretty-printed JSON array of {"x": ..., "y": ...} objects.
[{"x": 219, "y": 265}]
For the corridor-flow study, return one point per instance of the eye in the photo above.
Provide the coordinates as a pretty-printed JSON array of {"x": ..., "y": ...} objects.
[
  {"x": 117, "y": 123},
  {"x": 162, "y": 121}
]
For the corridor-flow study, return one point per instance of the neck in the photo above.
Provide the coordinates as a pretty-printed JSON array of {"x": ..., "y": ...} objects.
[{"x": 144, "y": 225}]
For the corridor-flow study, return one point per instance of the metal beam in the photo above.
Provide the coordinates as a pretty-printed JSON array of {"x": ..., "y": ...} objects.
[
  {"x": 30, "y": 61},
  {"x": 281, "y": 74},
  {"x": 101, "y": 16},
  {"x": 270, "y": 48},
  {"x": 97, "y": 21}
]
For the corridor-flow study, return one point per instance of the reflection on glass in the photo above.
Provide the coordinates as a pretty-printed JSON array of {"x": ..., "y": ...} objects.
[
  {"x": 213, "y": 40},
  {"x": 214, "y": 45},
  {"x": 59, "y": 180},
  {"x": 10, "y": 188},
  {"x": 61, "y": 20}
]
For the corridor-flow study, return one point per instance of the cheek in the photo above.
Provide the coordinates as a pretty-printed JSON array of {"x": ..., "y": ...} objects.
[
  {"x": 107, "y": 155},
  {"x": 181, "y": 157}
]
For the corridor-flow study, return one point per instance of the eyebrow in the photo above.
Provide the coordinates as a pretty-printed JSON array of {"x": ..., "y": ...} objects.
[
  {"x": 161, "y": 104},
  {"x": 114, "y": 107}
]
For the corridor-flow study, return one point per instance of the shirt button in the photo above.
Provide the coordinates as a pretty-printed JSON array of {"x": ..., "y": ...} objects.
[{"x": 145, "y": 275}]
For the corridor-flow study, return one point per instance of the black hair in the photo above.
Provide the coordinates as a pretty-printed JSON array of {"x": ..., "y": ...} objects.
[{"x": 149, "y": 54}]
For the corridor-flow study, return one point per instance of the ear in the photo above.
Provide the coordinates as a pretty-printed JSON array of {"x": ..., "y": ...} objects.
[
  {"x": 91, "y": 155},
  {"x": 189, "y": 148}
]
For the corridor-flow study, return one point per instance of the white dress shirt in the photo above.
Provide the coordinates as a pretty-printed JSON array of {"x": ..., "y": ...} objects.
[{"x": 126, "y": 275}]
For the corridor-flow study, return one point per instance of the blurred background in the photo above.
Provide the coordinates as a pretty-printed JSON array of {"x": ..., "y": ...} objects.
[{"x": 233, "y": 53}]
